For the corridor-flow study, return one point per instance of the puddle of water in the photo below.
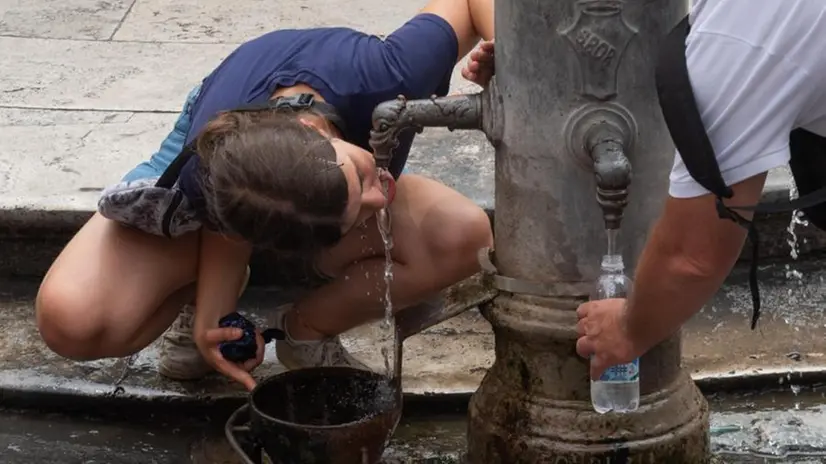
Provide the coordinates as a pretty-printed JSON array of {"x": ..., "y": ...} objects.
[
  {"x": 788, "y": 425},
  {"x": 28, "y": 438},
  {"x": 783, "y": 426}
]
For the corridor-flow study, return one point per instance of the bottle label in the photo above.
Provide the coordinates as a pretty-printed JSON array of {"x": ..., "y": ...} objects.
[{"x": 622, "y": 373}]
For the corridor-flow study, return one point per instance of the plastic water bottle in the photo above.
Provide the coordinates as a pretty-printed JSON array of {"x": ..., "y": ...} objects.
[{"x": 618, "y": 389}]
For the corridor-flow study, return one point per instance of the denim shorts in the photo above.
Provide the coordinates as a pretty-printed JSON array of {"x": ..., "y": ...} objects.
[{"x": 170, "y": 147}]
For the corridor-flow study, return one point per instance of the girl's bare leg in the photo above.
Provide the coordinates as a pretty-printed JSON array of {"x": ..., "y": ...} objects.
[
  {"x": 437, "y": 234},
  {"x": 114, "y": 290}
]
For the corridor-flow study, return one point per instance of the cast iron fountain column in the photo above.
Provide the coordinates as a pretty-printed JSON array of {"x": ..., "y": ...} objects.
[{"x": 572, "y": 108}]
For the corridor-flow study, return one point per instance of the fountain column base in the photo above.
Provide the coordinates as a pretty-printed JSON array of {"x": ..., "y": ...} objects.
[{"x": 533, "y": 406}]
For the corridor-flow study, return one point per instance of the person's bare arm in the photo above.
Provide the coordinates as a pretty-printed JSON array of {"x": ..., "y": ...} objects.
[
  {"x": 221, "y": 271},
  {"x": 688, "y": 256}
]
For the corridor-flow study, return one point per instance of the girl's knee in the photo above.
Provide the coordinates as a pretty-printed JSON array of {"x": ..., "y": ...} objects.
[
  {"x": 468, "y": 228},
  {"x": 456, "y": 242},
  {"x": 68, "y": 322}
]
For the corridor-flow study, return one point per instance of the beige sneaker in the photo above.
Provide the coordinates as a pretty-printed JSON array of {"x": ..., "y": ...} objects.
[
  {"x": 180, "y": 358},
  {"x": 299, "y": 354}
]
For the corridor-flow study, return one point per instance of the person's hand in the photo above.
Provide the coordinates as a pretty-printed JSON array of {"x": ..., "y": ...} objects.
[
  {"x": 208, "y": 341},
  {"x": 602, "y": 335},
  {"x": 480, "y": 66}
]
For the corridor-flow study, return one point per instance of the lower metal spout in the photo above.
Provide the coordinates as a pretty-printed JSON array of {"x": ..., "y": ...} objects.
[{"x": 613, "y": 175}]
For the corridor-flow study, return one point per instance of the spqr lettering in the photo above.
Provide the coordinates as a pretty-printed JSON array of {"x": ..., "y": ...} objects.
[{"x": 594, "y": 46}]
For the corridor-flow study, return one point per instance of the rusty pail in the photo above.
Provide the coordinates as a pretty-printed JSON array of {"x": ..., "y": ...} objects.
[
  {"x": 325, "y": 415},
  {"x": 337, "y": 415}
]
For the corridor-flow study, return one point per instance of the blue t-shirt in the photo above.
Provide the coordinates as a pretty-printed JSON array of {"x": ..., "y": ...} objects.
[{"x": 352, "y": 70}]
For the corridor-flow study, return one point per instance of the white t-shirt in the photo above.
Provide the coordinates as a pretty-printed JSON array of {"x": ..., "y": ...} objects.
[{"x": 758, "y": 70}]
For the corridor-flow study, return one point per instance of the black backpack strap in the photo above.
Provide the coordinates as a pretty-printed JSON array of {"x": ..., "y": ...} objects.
[
  {"x": 299, "y": 102},
  {"x": 685, "y": 125},
  {"x": 804, "y": 202},
  {"x": 173, "y": 171},
  {"x": 681, "y": 115},
  {"x": 808, "y": 151}
]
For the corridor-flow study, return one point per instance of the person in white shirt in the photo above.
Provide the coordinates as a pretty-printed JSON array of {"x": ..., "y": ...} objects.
[{"x": 757, "y": 69}]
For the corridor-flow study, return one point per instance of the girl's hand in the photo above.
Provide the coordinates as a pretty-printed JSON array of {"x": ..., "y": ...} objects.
[
  {"x": 208, "y": 340},
  {"x": 221, "y": 273},
  {"x": 480, "y": 67}
]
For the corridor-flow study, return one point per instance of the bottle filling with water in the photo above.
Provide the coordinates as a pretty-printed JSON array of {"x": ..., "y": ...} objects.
[{"x": 618, "y": 389}]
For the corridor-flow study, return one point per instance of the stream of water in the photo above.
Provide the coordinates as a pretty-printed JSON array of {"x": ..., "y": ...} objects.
[
  {"x": 387, "y": 336},
  {"x": 611, "y": 239}
]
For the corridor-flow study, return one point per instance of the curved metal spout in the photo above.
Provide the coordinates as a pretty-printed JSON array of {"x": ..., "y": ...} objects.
[
  {"x": 613, "y": 175},
  {"x": 392, "y": 117}
]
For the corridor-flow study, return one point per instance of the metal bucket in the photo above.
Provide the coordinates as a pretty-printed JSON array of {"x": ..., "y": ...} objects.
[
  {"x": 338, "y": 415},
  {"x": 325, "y": 415}
]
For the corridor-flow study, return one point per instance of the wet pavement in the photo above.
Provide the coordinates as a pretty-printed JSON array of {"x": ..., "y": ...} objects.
[
  {"x": 27, "y": 438},
  {"x": 787, "y": 425},
  {"x": 445, "y": 363}
]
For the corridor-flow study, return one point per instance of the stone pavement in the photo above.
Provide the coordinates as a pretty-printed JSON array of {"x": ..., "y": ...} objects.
[{"x": 89, "y": 88}]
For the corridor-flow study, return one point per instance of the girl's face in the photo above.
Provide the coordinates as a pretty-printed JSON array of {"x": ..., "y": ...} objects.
[
  {"x": 365, "y": 193},
  {"x": 365, "y": 196}
]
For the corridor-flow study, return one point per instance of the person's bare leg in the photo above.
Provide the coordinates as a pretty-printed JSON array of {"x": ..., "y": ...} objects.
[
  {"x": 114, "y": 290},
  {"x": 437, "y": 233}
]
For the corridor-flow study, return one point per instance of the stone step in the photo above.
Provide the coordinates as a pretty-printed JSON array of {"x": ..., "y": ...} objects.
[
  {"x": 193, "y": 21},
  {"x": 54, "y": 164}
]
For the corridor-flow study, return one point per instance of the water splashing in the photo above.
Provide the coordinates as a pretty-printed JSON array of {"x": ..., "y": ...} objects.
[
  {"x": 794, "y": 249},
  {"x": 797, "y": 219}
]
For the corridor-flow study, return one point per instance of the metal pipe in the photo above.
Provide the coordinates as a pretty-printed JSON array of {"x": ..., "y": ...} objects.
[{"x": 393, "y": 117}]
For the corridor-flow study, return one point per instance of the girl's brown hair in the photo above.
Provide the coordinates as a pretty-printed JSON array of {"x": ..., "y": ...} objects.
[{"x": 272, "y": 180}]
